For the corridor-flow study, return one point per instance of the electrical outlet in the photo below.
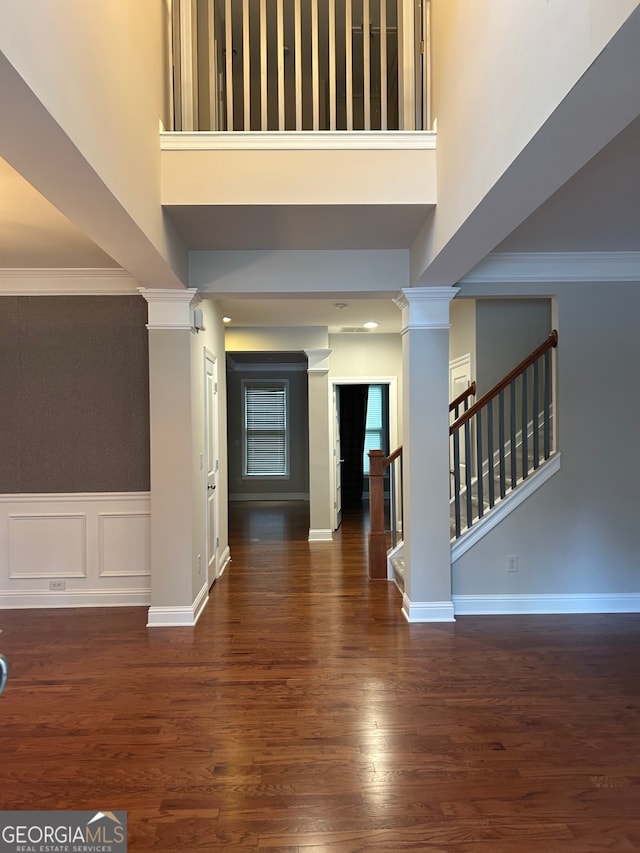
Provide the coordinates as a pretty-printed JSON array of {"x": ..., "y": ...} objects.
[
  {"x": 57, "y": 586},
  {"x": 512, "y": 562},
  {"x": 199, "y": 563}
]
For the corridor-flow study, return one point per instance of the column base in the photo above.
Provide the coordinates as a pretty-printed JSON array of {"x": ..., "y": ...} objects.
[
  {"x": 178, "y": 617},
  {"x": 320, "y": 535},
  {"x": 427, "y": 611}
]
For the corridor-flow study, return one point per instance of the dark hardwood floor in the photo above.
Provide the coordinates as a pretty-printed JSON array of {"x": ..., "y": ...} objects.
[{"x": 304, "y": 714}]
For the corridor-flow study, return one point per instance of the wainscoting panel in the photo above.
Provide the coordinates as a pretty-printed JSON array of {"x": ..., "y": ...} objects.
[
  {"x": 125, "y": 543},
  {"x": 48, "y": 546},
  {"x": 75, "y": 550}
]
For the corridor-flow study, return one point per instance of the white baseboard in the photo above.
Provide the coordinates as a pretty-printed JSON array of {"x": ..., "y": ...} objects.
[
  {"x": 427, "y": 611},
  {"x": 178, "y": 617},
  {"x": 490, "y": 605},
  {"x": 23, "y": 599},
  {"x": 320, "y": 534},
  {"x": 225, "y": 559}
]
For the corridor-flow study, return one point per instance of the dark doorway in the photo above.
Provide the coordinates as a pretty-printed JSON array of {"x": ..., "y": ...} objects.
[{"x": 364, "y": 426}]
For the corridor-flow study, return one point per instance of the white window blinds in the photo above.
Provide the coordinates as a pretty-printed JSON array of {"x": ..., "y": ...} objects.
[
  {"x": 265, "y": 429},
  {"x": 374, "y": 425}
]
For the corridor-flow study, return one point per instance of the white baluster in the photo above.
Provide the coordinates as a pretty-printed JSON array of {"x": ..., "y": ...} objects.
[
  {"x": 246, "y": 65},
  {"x": 264, "y": 104},
  {"x": 348, "y": 53},
  {"x": 280, "y": 42},
  {"x": 383, "y": 65},
  {"x": 332, "y": 64},
  {"x": 228, "y": 42},
  {"x": 366, "y": 63}
]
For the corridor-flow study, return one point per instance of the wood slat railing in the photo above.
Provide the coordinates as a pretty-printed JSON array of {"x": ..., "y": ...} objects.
[
  {"x": 381, "y": 536},
  {"x": 463, "y": 398},
  {"x": 494, "y": 450},
  {"x": 390, "y": 467},
  {"x": 267, "y": 65}
]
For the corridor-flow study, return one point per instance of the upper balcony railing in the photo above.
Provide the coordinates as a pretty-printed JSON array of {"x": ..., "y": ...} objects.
[{"x": 301, "y": 65}]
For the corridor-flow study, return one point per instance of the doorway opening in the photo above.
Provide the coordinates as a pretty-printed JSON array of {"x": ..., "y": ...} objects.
[{"x": 364, "y": 419}]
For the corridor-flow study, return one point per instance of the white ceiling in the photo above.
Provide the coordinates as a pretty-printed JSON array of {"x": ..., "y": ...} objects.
[{"x": 314, "y": 312}]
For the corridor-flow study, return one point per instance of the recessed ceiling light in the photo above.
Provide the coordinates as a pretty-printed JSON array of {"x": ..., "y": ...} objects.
[
  {"x": 371, "y": 324},
  {"x": 226, "y": 319}
]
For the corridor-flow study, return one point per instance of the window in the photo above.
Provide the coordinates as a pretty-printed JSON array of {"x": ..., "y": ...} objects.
[
  {"x": 266, "y": 450},
  {"x": 374, "y": 437}
]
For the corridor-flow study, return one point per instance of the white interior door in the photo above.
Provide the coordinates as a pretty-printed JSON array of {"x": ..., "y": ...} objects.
[
  {"x": 211, "y": 467},
  {"x": 337, "y": 456}
]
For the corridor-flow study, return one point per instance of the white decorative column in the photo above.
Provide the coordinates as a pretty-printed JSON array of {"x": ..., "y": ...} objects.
[
  {"x": 425, "y": 377},
  {"x": 320, "y": 460},
  {"x": 173, "y": 601}
]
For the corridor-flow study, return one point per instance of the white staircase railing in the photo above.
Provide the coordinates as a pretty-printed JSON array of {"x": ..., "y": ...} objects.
[
  {"x": 300, "y": 65},
  {"x": 502, "y": 439}
]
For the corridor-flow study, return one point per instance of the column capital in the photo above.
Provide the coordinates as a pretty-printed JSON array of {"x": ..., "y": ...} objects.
[
  {"x": 169, "y": 309},
  {"x": 318, "y": 360},
  {"x": 425, "y": 307}
]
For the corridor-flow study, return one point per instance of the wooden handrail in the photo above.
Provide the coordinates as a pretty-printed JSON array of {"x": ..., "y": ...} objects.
[
  {"x": 468, "y": 392},
  {"x": 392, "y": 457},
  {"x": 551, "y": 341}
]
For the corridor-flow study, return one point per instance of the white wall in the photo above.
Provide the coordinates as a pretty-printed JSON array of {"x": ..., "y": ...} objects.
[
  {"x": 502, "y": 71},
  {"x": 374, "y": 355},
  {"x": 578, "y": 533},
  {"x": 96, "y": 89},
  {"x": 324, "y": 273},
  {"x": 275, "y": 339},
  {"x": 462, "y": 334},
  {"x": 299, "y": 177}
]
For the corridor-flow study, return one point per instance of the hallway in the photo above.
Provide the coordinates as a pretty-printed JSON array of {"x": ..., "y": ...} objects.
[{"x": 304, "y": 713}]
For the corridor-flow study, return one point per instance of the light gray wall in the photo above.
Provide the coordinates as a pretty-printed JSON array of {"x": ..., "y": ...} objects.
[
  {"x": 578, "y": 533},
  {"x": 375, "y": 355},
  {"x": 507, "y": 330},
  {"x": 298, "y": 481},
  {"x": 462, "y": 334}
]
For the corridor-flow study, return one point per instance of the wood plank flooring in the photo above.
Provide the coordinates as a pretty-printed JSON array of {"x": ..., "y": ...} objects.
[{"x": 304, "y": 714}]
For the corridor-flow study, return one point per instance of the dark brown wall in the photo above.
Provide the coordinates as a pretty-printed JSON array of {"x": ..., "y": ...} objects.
[{"x": 74, "y": 394}]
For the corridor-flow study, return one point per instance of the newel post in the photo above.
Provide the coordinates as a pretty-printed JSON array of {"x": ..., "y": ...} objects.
[{"x": 377, "y": 535}]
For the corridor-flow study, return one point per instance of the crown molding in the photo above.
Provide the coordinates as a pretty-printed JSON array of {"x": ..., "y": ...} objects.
[
  {"x": 538, "y": 267},
  {"x": 336, "y": 140},
  {"x": 58, "y": 281}
]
